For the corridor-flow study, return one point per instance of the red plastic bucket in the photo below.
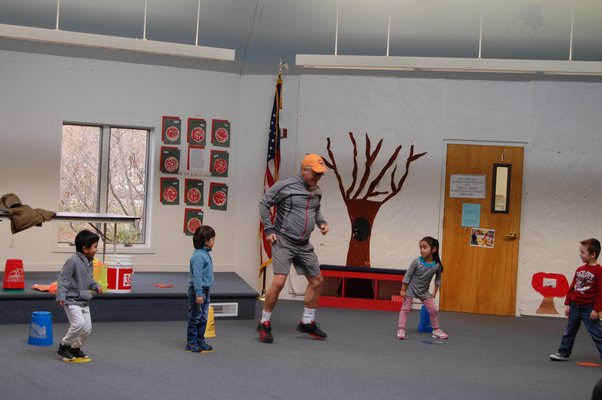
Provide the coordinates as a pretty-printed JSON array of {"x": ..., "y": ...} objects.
[
  {"x": 120, "y": 269},
  {"x": 14, "y": 277}
]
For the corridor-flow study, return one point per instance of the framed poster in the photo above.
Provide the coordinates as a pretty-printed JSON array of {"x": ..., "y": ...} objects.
[
  {"x": 219, "y": 163},
  {"x": 193, "y": 219},
  {"x": 197, "y": 132},
  {"x": 220, "y": 133},
  {"x": 171, "y": 130},
  {"x": 170, "y": 160},
  {"x": 218, "y": 196},
  {"x": 193, "y": 192},
  {"x": 170, "y": 191}
]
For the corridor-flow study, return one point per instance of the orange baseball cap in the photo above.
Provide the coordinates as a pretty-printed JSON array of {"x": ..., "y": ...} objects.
[{"x": 314, "y": 162}]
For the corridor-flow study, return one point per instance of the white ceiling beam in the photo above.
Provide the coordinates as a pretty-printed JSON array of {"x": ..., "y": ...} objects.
[
  {"x": 440, "y": 64},
  {"x": 115, "y": 43}
]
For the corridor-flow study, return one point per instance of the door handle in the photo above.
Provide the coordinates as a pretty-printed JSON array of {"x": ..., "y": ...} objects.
[{"x": 511, "y": 236}]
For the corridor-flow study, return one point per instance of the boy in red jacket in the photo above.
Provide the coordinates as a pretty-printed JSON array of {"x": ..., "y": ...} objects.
[{"x": 583, "y": 301}]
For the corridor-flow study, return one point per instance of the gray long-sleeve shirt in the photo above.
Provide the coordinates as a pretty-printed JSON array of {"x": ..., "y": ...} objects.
[
  {"x": 298, "y": 208},
  {"x": 75, "y": 281},
  {"x": 418, "y": 278}
]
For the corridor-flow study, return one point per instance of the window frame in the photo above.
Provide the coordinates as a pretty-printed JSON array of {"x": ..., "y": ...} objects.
[{"x": 103, "y": 189}]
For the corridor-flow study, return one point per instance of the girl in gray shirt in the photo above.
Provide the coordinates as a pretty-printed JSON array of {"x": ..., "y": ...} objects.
[{"x": 416, "y": 284}]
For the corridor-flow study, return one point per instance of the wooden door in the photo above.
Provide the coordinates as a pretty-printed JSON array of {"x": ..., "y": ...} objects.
[{"x": 480, "y": 270}]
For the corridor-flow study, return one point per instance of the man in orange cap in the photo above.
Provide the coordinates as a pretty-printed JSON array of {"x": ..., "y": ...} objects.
[{"x": 298, "y": 210}]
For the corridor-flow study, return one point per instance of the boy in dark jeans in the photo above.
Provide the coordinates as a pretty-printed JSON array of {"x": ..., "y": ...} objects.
[
  {"x": 199, "y": 284},
  {"x": 583, "y": 301}
]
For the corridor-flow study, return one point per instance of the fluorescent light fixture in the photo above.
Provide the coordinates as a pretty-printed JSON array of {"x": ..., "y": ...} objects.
[
  {"x": 439, "y": 64},
  {"x": 115, "y": 43}
]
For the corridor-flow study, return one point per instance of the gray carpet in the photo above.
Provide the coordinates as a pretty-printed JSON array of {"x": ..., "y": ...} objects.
[{"x": 486, "y": 357}]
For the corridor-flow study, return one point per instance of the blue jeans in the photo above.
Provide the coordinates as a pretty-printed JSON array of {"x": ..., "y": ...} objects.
[
  {"x": 577, "y": 314},
  {"x": 197, "y": 316}
]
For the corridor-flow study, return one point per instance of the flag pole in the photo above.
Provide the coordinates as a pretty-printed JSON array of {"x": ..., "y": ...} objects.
[{"x": 273, "y": 175}]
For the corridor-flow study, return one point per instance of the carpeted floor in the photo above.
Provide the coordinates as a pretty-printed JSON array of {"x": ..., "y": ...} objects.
[{"x": 486, "y": 357}]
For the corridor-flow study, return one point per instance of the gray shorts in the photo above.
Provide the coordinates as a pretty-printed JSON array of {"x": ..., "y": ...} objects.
[{"x": 285, "y": 251}]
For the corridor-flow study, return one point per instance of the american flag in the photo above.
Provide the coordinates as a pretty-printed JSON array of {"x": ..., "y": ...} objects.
[{"x": 271, "y": 172}]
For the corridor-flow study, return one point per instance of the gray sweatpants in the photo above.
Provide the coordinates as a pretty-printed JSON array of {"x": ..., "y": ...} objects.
[{"x": 80, "y": 325}]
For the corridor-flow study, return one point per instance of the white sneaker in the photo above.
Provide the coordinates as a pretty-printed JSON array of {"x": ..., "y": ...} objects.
[
  {"x": 401, "y": 334},
  {"x": 439, "y": 334},
  {"x": 558, "y": 357}
]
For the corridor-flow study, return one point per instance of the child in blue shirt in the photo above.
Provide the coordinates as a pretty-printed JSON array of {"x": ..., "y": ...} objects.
[{"x": 199, "y": 284}]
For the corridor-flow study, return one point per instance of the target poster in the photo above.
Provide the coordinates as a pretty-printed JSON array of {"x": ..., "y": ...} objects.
[
  {"x": 171, "y": 131},
  {"x": 193, "y": 219},
  {"x": 220, "y": 133},
  {"x": 219, "y": 163},
  {"x": 218, "y": 196},
  {"x": 193, "y": 192},
  {"x": 197, "y": 132},
  {"x": 170, "y": 160},
  {"x": 170, "y": 191}
]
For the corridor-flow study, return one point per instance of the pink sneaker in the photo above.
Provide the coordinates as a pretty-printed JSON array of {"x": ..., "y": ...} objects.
[
  {"x": 439, "y": 334},
  {"x": 401, "y": 334}
]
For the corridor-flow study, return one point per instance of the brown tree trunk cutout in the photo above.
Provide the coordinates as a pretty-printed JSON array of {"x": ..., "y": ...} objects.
[{"x": 361, "y": 209}]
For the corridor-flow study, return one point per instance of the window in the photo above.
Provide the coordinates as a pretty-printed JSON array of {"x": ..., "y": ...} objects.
[
  {"x": 501, "y": 188},
  {"x": 104, "y": 170}
]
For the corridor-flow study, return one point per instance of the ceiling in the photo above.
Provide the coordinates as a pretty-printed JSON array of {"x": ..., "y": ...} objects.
[{"x": 262, "y": 32}]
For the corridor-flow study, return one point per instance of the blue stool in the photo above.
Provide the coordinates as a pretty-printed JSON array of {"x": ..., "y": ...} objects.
[
  {"x": 40, "y": 330},
  {"x": 425, "y": 321}
]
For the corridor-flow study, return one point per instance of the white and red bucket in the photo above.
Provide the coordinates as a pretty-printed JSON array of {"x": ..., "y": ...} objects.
[{"x": 120, "y": 270}]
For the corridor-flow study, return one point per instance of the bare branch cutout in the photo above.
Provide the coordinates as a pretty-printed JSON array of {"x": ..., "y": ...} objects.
[{"x": 370, "y": 158}]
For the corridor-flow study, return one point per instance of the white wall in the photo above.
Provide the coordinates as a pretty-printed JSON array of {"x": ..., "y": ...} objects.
[
  {"x": 39, "y": 92},
  {"x": 560, "y": 122}
]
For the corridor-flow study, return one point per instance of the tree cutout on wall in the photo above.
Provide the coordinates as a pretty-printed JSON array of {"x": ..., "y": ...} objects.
[
  {"x": 361, "y": 206},
  {"x": 549, "y": 285}
]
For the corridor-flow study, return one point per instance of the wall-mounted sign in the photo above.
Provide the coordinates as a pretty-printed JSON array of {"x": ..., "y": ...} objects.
[{"x": 467, "y": 186}]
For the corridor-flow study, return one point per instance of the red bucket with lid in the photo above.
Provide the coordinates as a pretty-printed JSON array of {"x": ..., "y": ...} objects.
[{"x": 14, "y": 277}]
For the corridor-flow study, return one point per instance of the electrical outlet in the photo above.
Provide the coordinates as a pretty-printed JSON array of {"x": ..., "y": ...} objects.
[{"x": 11, "y": 243}]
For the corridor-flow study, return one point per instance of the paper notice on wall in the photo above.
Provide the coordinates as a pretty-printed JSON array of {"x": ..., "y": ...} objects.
[
  {"x": 467, "y": 186},
  {"x": 471, "y": 215}
]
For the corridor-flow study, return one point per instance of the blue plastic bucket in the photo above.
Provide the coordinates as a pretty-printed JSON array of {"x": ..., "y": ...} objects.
[
  {"x": 425, "y": 321},
  {"x": 40, "y": 330}
]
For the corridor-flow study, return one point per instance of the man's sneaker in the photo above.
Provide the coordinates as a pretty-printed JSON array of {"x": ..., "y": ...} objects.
[
  {"x": 558, "y": 357},
  {"x": 265, "y": 332},
  {"x": 65, "y": 352},
  {"x": 401, "y": 334},
  {"x": 193, "y": 348},
  {"x": 205, "y": 348},
  {"x": 439, "y": 334},
  {"x": 78, "y": 353},
  {"x": 312, "y": 329}
]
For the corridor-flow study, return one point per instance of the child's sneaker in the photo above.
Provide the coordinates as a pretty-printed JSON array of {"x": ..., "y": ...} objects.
[
  {"x": 78, "y": 353},
  {"x": 265, "y": 332},
  {"x": 205, "y": 348},
  {"x": 65, "y": 352},
  {"x": 312, "y": 329},
  {"x": 401, "y": 334},
  {"x": 559, "y": 357},
  {"x": 439, "y": 334},
  {"x": 193, "y": 348}
]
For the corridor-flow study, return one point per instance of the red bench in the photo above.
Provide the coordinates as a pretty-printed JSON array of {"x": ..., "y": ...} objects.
[{"x": 363, "y": 288}]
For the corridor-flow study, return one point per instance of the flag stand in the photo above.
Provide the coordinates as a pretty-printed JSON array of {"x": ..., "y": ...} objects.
[{"x": 262, "y": 295}]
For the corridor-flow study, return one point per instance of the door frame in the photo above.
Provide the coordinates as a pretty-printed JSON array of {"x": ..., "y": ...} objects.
[{"x": 525, "y": 145}]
